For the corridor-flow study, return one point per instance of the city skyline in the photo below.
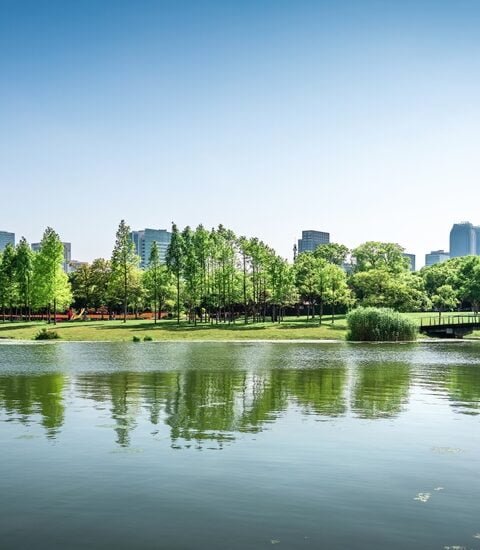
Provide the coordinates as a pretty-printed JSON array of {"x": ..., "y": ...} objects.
[
  {"x": 266, "y": 117},
  {"x": 142, "y": 240}
]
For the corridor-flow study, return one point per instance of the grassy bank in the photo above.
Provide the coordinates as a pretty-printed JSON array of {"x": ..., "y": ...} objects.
[{"x": 293, "y": 328}]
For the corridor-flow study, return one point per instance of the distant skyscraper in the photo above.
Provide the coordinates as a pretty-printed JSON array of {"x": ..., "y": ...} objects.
[
  {"x": 6, "y": 238},
  {"x": 436, "y": 257},
  {"x": 411, "y": 260},
  {"x": 477, "y": 235},
  {"x": 463, "y": 240},
  {"x": 67, "y": 254},
  {"x": 311, "y": 239},
  {"x": 144, "y": 239}
]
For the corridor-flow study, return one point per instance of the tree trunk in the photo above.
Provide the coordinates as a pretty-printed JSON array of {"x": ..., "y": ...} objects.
[{"x": 178, "y": 299}]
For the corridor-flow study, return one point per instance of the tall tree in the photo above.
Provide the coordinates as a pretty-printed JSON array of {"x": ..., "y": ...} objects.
[
  {"x": 175, "y": 261},
  {"x": 8, "y": 286},
  {"x": 153, "y": 270},
  {"x": 52, "y": 288},
  {"x": 24, "y": 273},
  {"x": 124, "y": 263}
]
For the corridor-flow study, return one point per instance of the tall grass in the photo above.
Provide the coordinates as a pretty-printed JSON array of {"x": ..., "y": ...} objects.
[{"x": 370, "y": 324}]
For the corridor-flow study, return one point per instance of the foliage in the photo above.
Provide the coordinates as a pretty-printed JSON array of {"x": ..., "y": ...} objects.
[
  {"x": 51, "y": 286},
  {"x": 45, "y": 334},
  {"x": 446, "y": 298},
  {"x": 333, "y": 253},
  {"x": 136, "y": 339},
  {"x": 24, "y": 274},
  {"x": 379, "y": 255},
  {"x": 379, "y": 325},
  {"x": 147, "y": 338},
  {"x": 124, "y": 281},
  {"x": 379, "y": 287}
]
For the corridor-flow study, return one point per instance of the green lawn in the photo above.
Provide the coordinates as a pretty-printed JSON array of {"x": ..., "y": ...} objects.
[{"x": 293, "y": 328}]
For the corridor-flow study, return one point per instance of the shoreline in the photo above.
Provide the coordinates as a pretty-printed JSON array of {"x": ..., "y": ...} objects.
[{"x": 19, "y": 341}]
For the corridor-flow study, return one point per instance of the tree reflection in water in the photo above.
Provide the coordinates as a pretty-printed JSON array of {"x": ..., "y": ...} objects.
[{"x": 210, "y": 398}]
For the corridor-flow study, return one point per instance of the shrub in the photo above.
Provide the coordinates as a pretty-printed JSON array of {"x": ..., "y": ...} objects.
[
  {"x": 45, "y": 334},
  {"x": 136, "y": 339},
  {"x": 370, "y": 324},
  {"x": 147, "y": 338}
]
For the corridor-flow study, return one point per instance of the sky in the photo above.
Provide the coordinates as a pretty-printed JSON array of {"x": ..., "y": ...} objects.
[{"x": 360, "y": 118}]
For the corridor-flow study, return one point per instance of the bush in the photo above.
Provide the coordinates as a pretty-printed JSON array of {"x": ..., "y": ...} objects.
[
  {"x": 45, "y": 334},
  {"x": 136, "y": 339},
  {"x": 370, "y": 324},
  {"x": 147, "y": 338}
]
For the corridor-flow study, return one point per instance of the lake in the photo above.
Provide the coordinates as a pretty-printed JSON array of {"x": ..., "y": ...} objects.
[{"x": 239, "y": 445}]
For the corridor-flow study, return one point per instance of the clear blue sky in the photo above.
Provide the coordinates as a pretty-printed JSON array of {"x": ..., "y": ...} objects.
[{"x": 361, "y": 118}]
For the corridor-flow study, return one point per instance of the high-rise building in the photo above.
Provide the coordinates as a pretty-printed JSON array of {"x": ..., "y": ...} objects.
[
  {"x": 411, "y": 260},
  {"x": 311, "y": 239},
  {"x": 67, "y": 254},
  {"x": 6, "y": 238},
  {"x": 477, "y": 235},
  {"x": 463, "y": 240},
  {"x": 144, "y": 239},
  {"x": 436, "y": 257}
]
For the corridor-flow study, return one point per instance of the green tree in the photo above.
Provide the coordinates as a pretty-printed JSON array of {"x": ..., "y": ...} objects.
[
  {"x": 175, "y": 261},
  {"x": 446, "y": 298},
  {"x": 100, "y": 275},
  {"x": 338, "y": 292},
  {"x": 52, "y": 288},
  {"x": 81, "y": 282},
  {"x": 333, "y": 253},
  {"x": 8, "y": 284},
  {"x": 124, "y": 263},
  {"x": 306, "y": 270},
  {"x": 24, "y": 273},
  {"x": 379, "y": 255}
]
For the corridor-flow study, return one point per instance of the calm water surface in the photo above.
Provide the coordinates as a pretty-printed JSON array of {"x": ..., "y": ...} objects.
[{"x": 239, "y": 446}]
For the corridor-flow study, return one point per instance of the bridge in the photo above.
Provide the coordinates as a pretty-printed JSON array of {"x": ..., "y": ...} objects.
[{"x": 450, "y": 326}]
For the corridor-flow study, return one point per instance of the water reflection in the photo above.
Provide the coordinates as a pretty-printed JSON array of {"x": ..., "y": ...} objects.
[
  {"x": 204, "y": 397},
  {"x": 24, "y": 398},
  {"x": 381, "y": 390}
]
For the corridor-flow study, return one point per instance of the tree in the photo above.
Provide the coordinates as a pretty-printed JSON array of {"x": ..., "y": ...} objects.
[
  {"x": 379, "y": 255},
  {"x": 24, "y": 275},
  {"x": 308, "y": 280},
  {"x": 332, "y": 253},
  {"x": 379, "y": 287},
  {"x": 158, "y": 283},
  {"x": 100, "y": 275},
  {"x": 8, "y": 286},
  {"x": 175, "y": 261},
  {"x": 337, "y": 288},
  {"x": 82, "y": 286},
  {"x": 446, "y": 298},
  {"x": 124, "y": 263},
  {"x": 468, "y": 276},
  {"x": 52, "y": 288},
  {"x": 281, "y": 285}
]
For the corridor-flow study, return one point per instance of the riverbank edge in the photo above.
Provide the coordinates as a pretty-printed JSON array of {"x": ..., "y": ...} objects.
[{"x": 10, "y": 341}]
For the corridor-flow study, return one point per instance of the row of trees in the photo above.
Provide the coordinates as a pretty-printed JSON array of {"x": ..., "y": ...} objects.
[
  {"x": 34, "y": 281},
  {"x": 216, "y": 276}
]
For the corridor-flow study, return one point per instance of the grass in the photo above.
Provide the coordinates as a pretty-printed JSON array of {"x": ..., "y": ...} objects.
[{"x": 293, "y": 328}]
